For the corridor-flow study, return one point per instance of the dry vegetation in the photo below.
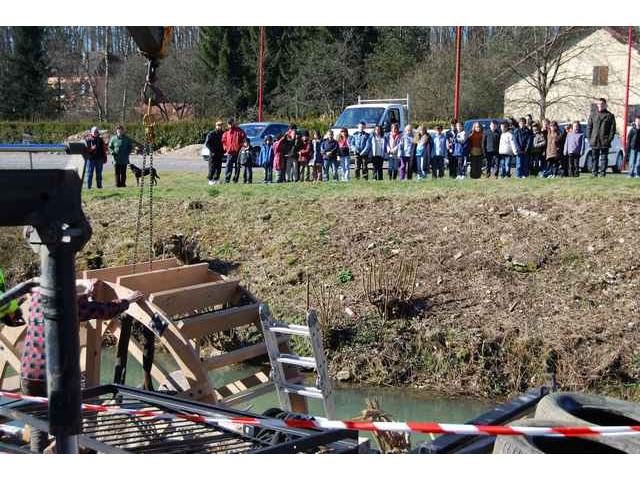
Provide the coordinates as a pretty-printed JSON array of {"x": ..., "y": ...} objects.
[{"x": 508, "y": 278}]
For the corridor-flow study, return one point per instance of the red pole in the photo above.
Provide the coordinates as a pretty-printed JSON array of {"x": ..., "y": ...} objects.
[
  {"x": 260, "y": 73},
  {"x": 626, "y": 101},
  {"x": 456, "y": 92}
]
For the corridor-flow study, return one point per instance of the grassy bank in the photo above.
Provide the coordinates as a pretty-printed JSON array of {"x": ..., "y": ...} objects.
[{"x": 511, "y": 275}]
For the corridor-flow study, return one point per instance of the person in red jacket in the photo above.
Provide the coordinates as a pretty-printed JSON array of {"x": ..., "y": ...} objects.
[
  {"x": 304, "y": 154},
  {"x": 232, "y": 141}
]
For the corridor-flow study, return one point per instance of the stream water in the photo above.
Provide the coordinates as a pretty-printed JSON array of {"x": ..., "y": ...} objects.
[{"x": 402, "y": 404}]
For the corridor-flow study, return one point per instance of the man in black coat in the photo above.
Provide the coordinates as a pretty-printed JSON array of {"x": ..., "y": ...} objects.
[
  {"x": 600, "y": 132},
  {"x": 490, "y": 147},
  {"x": 213, "y": 142}
]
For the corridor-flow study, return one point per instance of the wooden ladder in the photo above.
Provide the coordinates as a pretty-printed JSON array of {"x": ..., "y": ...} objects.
[{"x": 275, "y": 333}]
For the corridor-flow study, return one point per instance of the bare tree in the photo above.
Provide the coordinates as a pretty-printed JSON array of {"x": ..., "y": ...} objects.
[{"x": 542, "y": 69}]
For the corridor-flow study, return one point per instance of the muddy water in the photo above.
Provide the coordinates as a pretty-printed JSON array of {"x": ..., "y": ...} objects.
[{"x": 402, "y": 404}]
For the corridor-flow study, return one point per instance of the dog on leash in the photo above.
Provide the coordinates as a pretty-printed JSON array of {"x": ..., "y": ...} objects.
[{"x": 139, "y": 173}]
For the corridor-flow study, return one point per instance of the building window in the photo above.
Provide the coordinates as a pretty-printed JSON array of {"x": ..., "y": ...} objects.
[{"x": 600, "y": 76}]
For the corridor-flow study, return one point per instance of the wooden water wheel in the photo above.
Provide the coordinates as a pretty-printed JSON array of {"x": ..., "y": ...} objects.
[{"x": 197, "y": 302}]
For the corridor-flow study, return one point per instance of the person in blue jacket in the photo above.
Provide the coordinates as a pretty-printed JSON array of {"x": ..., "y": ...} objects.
[
  {"x": 360, "y": 143},
  {"x": 265, "y": 159}
]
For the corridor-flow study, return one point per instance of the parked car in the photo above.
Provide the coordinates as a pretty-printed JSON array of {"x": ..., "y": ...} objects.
[
  {"x": 485, "y": 122},
  {"x": 616, "y": 153},
  {"x": 256, "y": 133}
]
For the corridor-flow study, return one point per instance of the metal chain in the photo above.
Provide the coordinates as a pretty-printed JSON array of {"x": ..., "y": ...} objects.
[
  {"x": 151, "y": 252},
  {"x": 139, "y": 217}
]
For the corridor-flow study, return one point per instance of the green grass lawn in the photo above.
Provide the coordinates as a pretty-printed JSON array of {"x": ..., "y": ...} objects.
[{"x": 194, "y": 186}]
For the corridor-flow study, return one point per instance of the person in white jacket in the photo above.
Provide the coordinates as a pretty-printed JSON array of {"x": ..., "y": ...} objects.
[{"x": 506, "y": 150}]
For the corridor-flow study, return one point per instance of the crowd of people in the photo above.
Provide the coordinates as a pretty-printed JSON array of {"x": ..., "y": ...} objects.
[
  {"x": 522, "y": 147},
  {"x": 533, "y": 148}
]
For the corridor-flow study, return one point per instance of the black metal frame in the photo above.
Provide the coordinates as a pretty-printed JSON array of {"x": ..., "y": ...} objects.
[
  {"x": 507, "y": 412},
  {"x": 124, "y": 434}
]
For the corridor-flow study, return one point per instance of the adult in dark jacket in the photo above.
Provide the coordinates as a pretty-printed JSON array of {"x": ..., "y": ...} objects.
[
  {"x": 213, "y": 142},
  {"x": 633, "y": 149},
  {"x": 490, "y": 146},
  {"x": 97, "y": 156},
  {"x": 522, "y": 140},
  {"x": 600, "y": 131}
]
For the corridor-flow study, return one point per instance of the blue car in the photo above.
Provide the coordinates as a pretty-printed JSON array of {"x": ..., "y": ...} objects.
[
  {"x": 485, "y": 122},
  {"x": 256, "y": 133}
]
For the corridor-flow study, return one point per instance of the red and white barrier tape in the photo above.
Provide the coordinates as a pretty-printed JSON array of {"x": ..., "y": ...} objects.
[{"x": 402, "y": 427}]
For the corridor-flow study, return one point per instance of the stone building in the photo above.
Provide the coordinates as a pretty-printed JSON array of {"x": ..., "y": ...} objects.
[{"x": 597, "y": 67}]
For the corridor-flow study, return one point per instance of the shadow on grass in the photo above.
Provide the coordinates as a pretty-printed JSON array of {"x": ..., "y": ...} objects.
[{"x": 221, "y": 266}]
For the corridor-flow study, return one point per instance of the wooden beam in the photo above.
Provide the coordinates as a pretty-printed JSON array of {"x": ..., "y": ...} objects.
[
  {"x": 247, "y": 383},
  {"x": 236, "y": 356},
  {"x": 93, "y": 352},
  {"x": 111, "y": 274},
  {"x": 200, "y": 325},
  {"x": 159, "y": 280},
  {"x": 10, "y": 384},
  {"x": 195, "y": 297}
]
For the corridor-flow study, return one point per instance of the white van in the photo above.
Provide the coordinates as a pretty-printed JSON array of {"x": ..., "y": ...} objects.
[{"x": 374, "y": 112}]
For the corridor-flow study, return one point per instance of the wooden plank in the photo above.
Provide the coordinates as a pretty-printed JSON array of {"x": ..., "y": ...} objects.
[
  {"x": 159, "y": 280},
  {"x": 9, "y": 352},
  {"x": 93, "y": 352},
  {"x": 246, "y": 395},
  {"x": 200, "y": 325},
  {"x": 10, "y": 384},
  {"x": 247, "y": 383},
  {"x": 195, "y": 297},
  {"x": 111, "y": 274},
  {"x": 236, "y": 356}
]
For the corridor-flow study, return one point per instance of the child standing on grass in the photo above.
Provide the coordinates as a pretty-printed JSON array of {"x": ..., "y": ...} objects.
[
  {"x": 278, "y": 161},
  {"x": 245, "y": 158},
  {"x": 475, "y": 150},
  {"x": 538, "y": 148},
  {"x": 505, "y": 150},
  {"x": 315, "y": 162},
  {"x": 393, "y": 150},
  {"x": 378, "y": 148},
  {"x": 439, "y": 153},
  {"x": 407, "y": 152},
  {"x": 265, "y": 159},
  {"x": 423, "y": 152},
  {"x": 555, "y": 141},
  {"x": 329, "y": 149},
  {"x": 304, "y": 155},
  {"x": 451, "y": 138},
  {"x": 490, "y": 147},
  {"x": 460, "y": 148},
  {"x": 344, "y": 154},
  {"x": 573, "y": 148}
]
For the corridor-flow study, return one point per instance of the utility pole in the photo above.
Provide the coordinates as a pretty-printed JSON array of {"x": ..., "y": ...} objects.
[
  {"x": 260, "y": 73},
  {"x": 456, "y": 91},
  {"x": 626, "y": 101}
]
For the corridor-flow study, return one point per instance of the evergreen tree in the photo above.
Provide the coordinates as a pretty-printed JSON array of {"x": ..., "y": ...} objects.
[{"x": 25, "y": 94}]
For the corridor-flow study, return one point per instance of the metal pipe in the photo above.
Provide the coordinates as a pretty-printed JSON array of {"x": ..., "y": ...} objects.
[
  {"x": 73, "y": 148},
  {"x": 260, "y": 73},
  {"x": 626, "y": 102},
  {"x": 456, "y": 91},
  {"x": 33, "y": 147},
  {"x": 62, "y": 345},
  {"x": 19, "y": 290}
]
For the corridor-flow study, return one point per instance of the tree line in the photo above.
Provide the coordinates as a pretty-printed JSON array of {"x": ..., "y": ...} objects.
[{"x": 308, "y": 71}]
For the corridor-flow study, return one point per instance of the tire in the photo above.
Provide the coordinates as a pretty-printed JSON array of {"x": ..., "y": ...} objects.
[
  {"x": 523, "y": 445},
  {"x": 617, "y": 168},
  {"x": 589, "y": 410}
]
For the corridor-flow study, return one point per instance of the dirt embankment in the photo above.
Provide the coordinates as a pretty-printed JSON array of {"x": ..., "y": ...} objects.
[{"x": 505, "y": 287}]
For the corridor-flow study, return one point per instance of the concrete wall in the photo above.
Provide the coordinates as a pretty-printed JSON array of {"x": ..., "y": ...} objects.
[{"x": 575, "y": 96}]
